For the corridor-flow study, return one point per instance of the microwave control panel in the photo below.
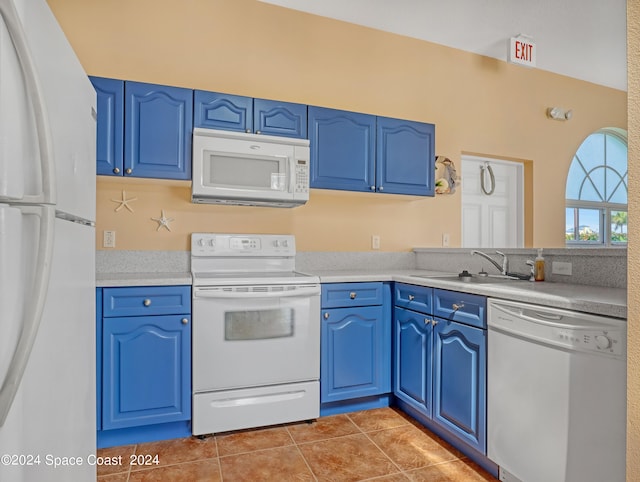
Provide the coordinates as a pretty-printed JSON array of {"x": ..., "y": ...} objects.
[{"x": 302, "y": 175}]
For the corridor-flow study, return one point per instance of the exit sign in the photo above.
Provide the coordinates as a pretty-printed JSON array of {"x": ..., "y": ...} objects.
[{"x": 522, "y": 51}]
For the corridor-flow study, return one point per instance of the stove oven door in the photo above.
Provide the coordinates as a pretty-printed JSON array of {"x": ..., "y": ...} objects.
[{"x": 248, "y": 336}]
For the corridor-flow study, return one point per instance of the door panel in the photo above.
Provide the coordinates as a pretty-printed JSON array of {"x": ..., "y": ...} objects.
[
  {"x": 413, "y": 352},
  {"x": 460, "y": 381},
  {"x": 147, "y": 370},
  {"x": 355, "y": 353},
  {"x": 493, "y": 220},
  {"x": 342, "y": 149}
]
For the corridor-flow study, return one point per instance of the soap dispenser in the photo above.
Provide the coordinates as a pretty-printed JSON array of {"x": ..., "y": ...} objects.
[{"x": 539, "y": 266}]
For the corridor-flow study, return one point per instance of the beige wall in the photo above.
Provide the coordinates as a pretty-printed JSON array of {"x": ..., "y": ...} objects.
[
  {"x": 479, "y": 105},
  {"x": 633, "y": 271}
]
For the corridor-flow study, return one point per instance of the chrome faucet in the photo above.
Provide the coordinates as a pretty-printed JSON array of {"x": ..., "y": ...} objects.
[{"x": 504, "y": 269}]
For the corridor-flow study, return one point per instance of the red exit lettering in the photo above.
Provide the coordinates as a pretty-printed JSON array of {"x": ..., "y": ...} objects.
[{"x": 524, "y": 51}]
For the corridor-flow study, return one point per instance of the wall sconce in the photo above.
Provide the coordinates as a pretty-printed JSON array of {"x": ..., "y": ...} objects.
[{"x": 558, "y": 113}]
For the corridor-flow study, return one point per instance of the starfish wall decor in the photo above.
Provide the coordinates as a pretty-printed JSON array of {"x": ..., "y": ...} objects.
[
  {"x": 124, "y": 202},
  {"x": 163, "y": 221}
]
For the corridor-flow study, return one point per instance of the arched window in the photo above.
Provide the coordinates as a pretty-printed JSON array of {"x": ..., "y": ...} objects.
[{"x": 596, "y": 193}]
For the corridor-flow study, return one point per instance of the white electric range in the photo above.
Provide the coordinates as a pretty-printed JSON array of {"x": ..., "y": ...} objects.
[{"x": 256, "y": 333}]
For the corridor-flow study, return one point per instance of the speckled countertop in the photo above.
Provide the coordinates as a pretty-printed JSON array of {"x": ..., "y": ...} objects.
[
  {"x": 590, "y": 299},
  {"x": 104, "y": 280}
]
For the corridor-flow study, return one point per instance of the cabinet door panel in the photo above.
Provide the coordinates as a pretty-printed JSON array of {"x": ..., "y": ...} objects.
[
  {"x": 223, "y": 111},
  {"x": 157, "y": 139},
  {"x": 110, "y": 130},
  {"x": 405, "y": 157},
  {"x": 460, "y": 381},
  {"x": 280, "y": 118},
  {"x": 342, "y": 149},
  {"x": 146, "y": 370},
  {"x": 413, "y": 352},
  {"x": 356, "y": 353}
]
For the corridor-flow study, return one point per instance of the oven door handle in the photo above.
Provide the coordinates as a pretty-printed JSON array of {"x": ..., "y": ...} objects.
[{"x": 204, "y": 293}]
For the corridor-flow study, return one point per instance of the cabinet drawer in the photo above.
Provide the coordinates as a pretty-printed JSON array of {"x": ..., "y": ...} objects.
[
  {"x": 462, "y": 307},
  {"x": 344, "y": 295},
  {"x": 416, "y": 298},
  {"x": 146, "y": 300}
]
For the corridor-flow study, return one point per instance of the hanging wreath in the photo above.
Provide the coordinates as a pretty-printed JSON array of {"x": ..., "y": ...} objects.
[{"x": 446, "y": 176}]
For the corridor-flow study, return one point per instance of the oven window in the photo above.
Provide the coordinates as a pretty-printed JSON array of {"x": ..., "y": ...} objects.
[{"x": 258, "y": 325}]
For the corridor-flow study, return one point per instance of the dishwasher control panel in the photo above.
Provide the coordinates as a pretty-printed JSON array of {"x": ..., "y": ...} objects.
[{"x": 605, "y": 341}]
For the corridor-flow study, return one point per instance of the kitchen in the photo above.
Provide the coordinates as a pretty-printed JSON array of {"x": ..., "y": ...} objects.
[{"x": 138, "y": 50}]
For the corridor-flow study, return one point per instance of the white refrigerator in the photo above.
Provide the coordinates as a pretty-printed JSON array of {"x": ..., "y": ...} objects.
[{"x": 47, "y": 260}]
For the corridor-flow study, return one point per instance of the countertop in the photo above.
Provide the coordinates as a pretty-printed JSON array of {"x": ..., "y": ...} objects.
[
  {"x": 585, "y": 298},
  {"x": 590, "y": 299}
]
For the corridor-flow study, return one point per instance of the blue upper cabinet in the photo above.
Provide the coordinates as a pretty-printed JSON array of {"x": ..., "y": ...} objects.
[
  {"x": 109, "y": 152},
  {"x": 342, "y": 149},
  {"x": 223, "y": 111},
  {"x": 405, "y": 157},
  {"x": 361, "y": 152},
  {"x": 246, "y": 114},
  {"x": 280, "y": 118},
  {"x": 158, "y": 126}
]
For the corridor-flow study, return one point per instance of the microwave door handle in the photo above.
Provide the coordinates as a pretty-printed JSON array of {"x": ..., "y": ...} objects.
[{"x": 204, "y": 293}]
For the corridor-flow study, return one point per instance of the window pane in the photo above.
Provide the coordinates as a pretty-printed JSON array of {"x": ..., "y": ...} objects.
[
  {"x": 570, "y": 232},
  {"x": 591, "y": 152},
  {"x": 589, "y": 225},
  {"x": 574, "y": 180},
  {"x": 618, "y": 226},
  {"x": 589, "y": 193},
  {"x": 616, "y": 190},
  {"x": 616, "y": 154}
]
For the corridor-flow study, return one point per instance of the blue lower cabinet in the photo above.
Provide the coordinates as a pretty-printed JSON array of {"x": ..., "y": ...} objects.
[
  {"x": 146, "y": 370},
  {"x": 356, "y": 353},
  {"x": 440, "y": 364},
  {"x": 459, "y": 381},
  {"x": 413, "y": 367}
]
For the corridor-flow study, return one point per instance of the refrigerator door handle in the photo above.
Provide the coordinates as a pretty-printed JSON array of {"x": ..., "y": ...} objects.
[
  {"x": 32, "y": 310},
  {"x": 34, "y": 90}
]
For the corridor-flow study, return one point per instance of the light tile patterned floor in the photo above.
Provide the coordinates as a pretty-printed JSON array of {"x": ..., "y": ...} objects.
[{"x": 382, "y": 445}]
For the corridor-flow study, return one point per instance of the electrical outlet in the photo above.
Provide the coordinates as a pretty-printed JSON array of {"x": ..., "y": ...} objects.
[
  {"x": 559, "y": 267},
  {"x": 375, "y": 241},
  {"x": 108, "y": 239},
  {"x": 445, "y": 240}
]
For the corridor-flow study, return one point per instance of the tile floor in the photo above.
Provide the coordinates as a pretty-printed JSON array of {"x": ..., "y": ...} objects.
[{"x": 381, "y": 445}]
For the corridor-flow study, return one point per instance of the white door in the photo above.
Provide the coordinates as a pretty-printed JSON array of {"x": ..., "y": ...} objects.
[{"x": 492, "y": 203}]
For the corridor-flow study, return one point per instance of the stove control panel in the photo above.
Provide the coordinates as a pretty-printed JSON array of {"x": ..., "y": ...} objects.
[{"x": 223, "y": 245}]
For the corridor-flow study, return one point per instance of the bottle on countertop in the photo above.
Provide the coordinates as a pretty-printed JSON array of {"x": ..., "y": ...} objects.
[{"x": 539, "y": 266}]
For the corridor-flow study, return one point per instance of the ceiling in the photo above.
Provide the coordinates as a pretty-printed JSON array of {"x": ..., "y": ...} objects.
[{"x": 583, "y": 39}]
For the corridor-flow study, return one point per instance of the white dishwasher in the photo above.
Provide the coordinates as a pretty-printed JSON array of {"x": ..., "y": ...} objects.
[{"x": 556, "y": 394}]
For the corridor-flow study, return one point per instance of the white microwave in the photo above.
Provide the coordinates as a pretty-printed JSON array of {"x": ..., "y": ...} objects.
[{"x": 248, "y": 169}]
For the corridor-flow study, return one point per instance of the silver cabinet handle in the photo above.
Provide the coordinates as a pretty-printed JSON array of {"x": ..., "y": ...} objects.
[
  {"x": 326, "y": 316},
  {"x": 381, "y": 188},
  {"x": 434, "y": 322},
  {"x": 185, "y": 321},
  {"x": 147, "y": 302},
  {"x": 428, "y": 321},
  {"x": 258, "y": 132},
  {"x": 353, "y": 295},
  {"x": 128, "y": 170},
  {"x": 411, "y": 297},
  {"x": 457, "y": 307},
  {"x": 373, "y": 188},
  {"x": 248, "y": 131},
  {"x": 116, "y": 170}
]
